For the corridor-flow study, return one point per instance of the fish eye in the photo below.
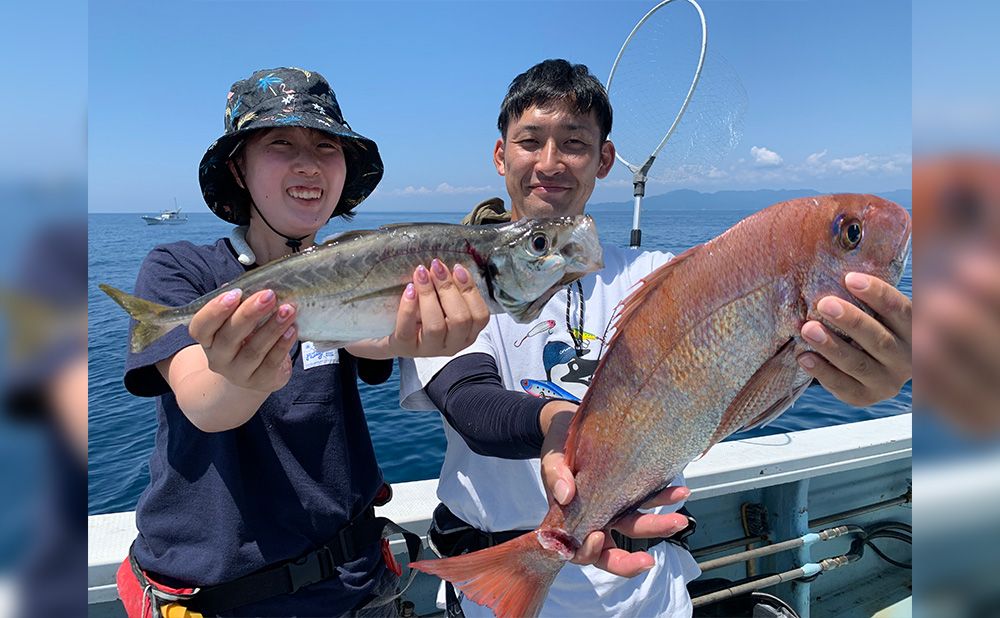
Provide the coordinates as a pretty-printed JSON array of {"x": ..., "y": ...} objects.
[
  {"x": 850, "y": 234},
  {"x": 539, "y": 243}
]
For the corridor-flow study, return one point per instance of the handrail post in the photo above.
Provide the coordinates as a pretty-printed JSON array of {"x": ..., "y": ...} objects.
[{"x": 788, "y": 515}]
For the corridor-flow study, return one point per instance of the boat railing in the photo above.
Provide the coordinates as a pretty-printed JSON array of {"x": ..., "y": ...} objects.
[{"x": 781, "y": 464}]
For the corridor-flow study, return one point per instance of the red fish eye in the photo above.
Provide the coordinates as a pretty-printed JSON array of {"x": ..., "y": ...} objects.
[{"x": 850, "y": 234}]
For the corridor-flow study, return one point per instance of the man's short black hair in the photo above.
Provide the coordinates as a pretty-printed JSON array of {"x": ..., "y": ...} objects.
[{"x": 556, "y": 81}]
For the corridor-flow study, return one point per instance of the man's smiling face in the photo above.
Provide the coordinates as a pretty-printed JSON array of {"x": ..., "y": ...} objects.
[{"x": 550, "y": 159}]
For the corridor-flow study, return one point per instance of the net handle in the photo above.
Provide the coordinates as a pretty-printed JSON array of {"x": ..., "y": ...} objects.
[{"x": 694, "y": 82}]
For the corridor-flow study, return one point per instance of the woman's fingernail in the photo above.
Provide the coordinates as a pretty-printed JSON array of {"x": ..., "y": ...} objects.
[
  {"x": 288, "y": 333},
  {"x": 410, "y": 292},
  {"x": 422, "y": 275},
  {"x": 461, "y": 275},
  {"x": 807, "y": 361},
  {"x": 830, "y": 307},
  {"x": 814, "y": 332},
  {"x": 439, "y": 270},
  {"x": 857, "y": 281},
  {"x": 229, "y": 298},
  {"x": 284, "y": 312},
  {"x": 265, "y": 298},
  {"x": 560, "y": 491}
]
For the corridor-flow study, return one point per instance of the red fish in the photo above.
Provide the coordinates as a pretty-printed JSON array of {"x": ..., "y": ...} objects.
[{"x": 704, "y": 348}]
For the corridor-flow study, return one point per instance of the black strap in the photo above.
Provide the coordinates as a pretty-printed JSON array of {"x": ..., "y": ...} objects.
[
  {"x": 294, "y": 243},
  {"x": 452, "y": 604},
  {"x": 313, "y": 567}
]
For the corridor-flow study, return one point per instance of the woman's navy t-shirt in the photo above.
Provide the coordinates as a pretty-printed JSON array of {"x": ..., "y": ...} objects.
[{"x": 222, "y": 505}]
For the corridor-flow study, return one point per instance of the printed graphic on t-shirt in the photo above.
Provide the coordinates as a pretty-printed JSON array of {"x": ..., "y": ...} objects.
[
  {"x": 544, "y": 326},
  {"x": 315, "y": 355},
  {"x": 567, "y": 371}
]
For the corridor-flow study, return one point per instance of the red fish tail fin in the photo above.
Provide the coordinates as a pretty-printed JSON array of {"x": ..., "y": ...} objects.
[{"x": 512, "y": 578}]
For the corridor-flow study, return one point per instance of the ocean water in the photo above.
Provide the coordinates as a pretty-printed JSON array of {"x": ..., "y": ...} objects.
[{"x": 409, "y": 445}]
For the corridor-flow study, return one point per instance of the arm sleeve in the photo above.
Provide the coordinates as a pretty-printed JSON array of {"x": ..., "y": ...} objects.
[
  {"x": 373, "y": 371},
  {"x": 493, "y": 421},
  {"x": 171, "y": 276}
]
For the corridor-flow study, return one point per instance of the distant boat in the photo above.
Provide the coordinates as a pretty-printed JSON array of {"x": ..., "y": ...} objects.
[{"x": 166, "y": 217}]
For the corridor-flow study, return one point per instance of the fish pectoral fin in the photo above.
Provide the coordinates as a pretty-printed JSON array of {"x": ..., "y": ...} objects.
[{"x": 769, "y": 392}]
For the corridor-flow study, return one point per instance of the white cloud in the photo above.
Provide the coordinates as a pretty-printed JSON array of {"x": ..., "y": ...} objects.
[
  {"x": 442, "y": 189},
  {"x": 450, "y": 190},
  {"x": 763, "y": 157},
  {"x": 866, "y": 163},
  {"x": 815, "y": 158}
]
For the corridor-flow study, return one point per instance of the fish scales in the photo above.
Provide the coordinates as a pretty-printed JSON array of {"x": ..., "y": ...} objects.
[
  {"x": 705, "y": 347},
  {"x": 349, "y": 287}
]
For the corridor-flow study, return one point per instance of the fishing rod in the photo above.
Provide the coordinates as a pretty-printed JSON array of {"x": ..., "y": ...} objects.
[
  {"x": 807, "y": 572},
  {"x": 904, "y": 498}
]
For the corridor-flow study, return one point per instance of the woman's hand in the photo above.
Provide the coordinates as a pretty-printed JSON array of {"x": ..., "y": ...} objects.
[{"x": 440, "y": 313}]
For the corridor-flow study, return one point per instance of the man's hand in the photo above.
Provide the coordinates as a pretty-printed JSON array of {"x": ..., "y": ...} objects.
[
  {"x": 880, "y": 363},
  {"x": 957, "y": 339},
  {"x": 440, "y": 314},
  {"x": 598, "y": 548}
]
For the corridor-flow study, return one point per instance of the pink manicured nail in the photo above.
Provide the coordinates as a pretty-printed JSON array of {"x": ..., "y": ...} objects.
[
  {"x": 229, "y": 298},
  {"x": 288, "y": 333},
  {"x": 439, "y": 270},
  {"x": 857, "y": 281},
  {"x": 410, "y": 292},
  {"x": 422, "y": 275},
  {"x": 461, "y": 275},
  {"x": 284, "y": 312},
  {"x": 265, "y": 298}
]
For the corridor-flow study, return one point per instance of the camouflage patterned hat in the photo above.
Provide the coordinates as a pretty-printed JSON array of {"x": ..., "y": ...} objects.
[{"x": 283, "y": 97}]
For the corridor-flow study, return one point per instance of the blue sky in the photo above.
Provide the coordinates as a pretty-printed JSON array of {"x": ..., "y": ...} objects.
[{"x": 828, "y": 87}]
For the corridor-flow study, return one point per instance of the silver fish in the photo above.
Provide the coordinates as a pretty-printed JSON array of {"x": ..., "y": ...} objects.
[{"x": 348, "y": 288}]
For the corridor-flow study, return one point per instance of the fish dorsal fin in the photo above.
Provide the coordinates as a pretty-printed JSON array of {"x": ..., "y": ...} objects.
[
  {"x": 415, "y": 224},
  {"x": 650, "y": 282},
  {"x": 623, "y": 312},
  {"x": 354, "y": 234},
  {"x": 771, "y": 390},
  {"x": 345, "y": 236}
]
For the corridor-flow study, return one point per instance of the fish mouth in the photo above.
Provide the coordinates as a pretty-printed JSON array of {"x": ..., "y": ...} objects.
[
  {"x": 898, "y": 263},
  {"x": 582, "y": 253}
]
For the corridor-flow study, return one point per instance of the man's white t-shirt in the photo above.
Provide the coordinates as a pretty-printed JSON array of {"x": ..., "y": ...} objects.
[{"x": 496, "y": 494}]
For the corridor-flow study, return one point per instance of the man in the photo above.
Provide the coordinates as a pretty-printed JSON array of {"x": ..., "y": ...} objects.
[{"x": 553, "y": 146}]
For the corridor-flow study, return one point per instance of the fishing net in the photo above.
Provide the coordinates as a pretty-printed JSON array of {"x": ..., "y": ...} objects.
[{"x": 674, "y": 99}]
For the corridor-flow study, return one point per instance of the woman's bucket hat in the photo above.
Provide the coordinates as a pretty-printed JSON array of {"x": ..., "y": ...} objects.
[{"x": 283, "y": 97}]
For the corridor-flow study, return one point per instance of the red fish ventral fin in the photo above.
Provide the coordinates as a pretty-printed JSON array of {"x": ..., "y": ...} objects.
[
  {"x": 768, "y": 393},
  {"x": 512, "y": 578}
]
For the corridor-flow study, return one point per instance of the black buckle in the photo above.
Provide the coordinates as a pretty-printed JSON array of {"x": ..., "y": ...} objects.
[{"x": 308, "y": 569}]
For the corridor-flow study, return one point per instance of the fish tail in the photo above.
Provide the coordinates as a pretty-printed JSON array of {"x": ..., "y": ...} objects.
[
  {"x": 148, "y": 327},
  {"x": 512, "y": 578}
]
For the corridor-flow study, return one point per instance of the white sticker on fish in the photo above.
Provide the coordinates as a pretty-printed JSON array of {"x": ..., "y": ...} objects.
[{"x": 314, "y": 356}]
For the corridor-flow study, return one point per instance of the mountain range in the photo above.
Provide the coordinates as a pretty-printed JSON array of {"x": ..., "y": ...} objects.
[{"x": 737, "y": 200}]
